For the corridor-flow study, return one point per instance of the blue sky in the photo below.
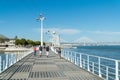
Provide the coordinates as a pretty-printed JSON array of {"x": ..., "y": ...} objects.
[{"x": 98, "y": 20}]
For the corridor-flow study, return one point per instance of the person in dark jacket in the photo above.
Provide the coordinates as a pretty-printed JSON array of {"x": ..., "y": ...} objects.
[
  {"x": 59, "y": 52},
  {"x": 47, "y": 51},
  {"x": 40, "y": 50}
]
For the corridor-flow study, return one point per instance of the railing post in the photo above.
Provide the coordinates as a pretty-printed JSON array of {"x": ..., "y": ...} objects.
[
  {"x": 9, "y": 61},
  {"x": 6, "y": 65},
  {"x": 71, "y": 56},
  {"x": 78, "y": 61},
  {"x": 64, "y": 54},
  {"x": 116, "y": 70},
  {"x": 0, "y": 64},
  {"x": 93, "y": 67},
  {"x": 81, "y": 60},
  {"x": 99, "y": 67},
  {"x": 14, "y": 58},
  {"x": 106, "y": 72},
  {"x": 12, "y": 62},
  {"x": 3, "y": 65},
  {"x": 88, "y": 62},
  {"x": 75, "y": 58},
  {"x": 67, "y": 55}
]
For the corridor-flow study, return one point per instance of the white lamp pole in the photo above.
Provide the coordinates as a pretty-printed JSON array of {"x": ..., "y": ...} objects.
[{"x": 41, "y": 18}]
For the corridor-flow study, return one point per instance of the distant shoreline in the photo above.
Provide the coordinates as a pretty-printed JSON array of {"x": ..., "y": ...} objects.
[{"x": 13, "y": 49}]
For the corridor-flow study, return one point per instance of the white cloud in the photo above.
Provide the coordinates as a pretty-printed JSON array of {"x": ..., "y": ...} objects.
[
  {"x": 69, "y": 31},
  {"x": 105, "y": 32},
  {"x": 60, "y": 31}
]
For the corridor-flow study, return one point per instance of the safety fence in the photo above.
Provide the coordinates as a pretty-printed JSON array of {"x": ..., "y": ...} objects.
[
  {"x": 8, "y": 59},
  {"x": 106, "y": 68}
]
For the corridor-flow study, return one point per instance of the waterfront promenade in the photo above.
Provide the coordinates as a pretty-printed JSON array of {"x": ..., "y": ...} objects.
[{"x": 42, "y": 68}]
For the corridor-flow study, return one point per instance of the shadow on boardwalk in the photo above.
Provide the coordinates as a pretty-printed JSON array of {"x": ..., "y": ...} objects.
[{"x": 43, "y": 68}]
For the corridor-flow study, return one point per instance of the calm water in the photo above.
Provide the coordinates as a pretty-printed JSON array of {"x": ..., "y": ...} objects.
[{"x": 104, "y": 51}]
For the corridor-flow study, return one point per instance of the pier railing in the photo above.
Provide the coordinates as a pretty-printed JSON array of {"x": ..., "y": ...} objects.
[
  {"x": 10, "y": 59},
  {"x": 106, "y": 68}
]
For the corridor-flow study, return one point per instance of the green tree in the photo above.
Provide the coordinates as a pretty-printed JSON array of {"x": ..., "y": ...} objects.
[
  {"x": 37, "y": 42},
  {"x": 24, "y": 42},
  {"x": 17, "y": 42},
  {"x": 30, "y": 42}
]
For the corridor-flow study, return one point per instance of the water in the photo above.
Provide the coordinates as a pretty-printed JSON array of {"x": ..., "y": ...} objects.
[
  {"x": 112, "y": 52},
  {"x": 104, "y": 51}
]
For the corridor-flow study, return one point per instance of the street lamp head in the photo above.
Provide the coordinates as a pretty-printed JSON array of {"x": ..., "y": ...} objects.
[
  {"x": 54, "y": 32},
  {"x": 41, "y": 17}
]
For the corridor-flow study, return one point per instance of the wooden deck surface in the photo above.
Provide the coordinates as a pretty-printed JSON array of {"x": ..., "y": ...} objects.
[{"x": 43, "y": 68}]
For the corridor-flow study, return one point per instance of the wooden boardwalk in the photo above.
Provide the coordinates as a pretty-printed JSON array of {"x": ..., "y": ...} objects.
[{"x": 43, "y": 68}]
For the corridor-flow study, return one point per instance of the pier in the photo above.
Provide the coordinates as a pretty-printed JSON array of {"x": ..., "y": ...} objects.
[{"x": 46, "y": 68}]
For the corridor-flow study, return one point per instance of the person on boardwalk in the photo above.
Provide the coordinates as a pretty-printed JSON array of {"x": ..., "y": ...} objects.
[
  {"x": 40, "y": 50},
  {"x": 34, "y": 51},
  {"x": 59, "y": 52},
  {"x": 47, "y": 51}
]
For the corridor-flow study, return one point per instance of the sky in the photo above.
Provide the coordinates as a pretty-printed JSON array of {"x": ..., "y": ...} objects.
[{"x": 97, "y": 20}]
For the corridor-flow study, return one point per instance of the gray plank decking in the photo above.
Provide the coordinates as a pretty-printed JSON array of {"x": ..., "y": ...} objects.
[{"x": 43, "y": 68}]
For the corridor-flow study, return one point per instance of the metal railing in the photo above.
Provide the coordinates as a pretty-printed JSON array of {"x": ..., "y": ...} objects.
[
  {"x": 105, "y": 68},
  {"x": 10, "y": 59}
]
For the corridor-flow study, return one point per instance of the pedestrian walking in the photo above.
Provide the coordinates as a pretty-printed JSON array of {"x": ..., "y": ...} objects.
[
  {"x": 47, "y": 51},
  {"x": 59, "y": 52},
  {"x": 34, "y": 51},
  {"x": 40, "y": 50}
]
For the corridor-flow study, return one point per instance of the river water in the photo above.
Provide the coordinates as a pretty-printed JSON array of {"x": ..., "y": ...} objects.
[{"x": 103, "y": 51}]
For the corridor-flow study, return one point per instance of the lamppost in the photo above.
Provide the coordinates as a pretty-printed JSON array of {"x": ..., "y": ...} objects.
[
  {"x": 54, "y": 38},
  {"x": 41, "y": 18}
]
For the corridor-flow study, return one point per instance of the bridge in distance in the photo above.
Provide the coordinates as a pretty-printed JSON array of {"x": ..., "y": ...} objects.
[{"x": 91, "y": 44}]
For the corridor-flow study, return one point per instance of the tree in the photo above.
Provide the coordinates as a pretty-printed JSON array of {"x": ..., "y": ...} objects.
[
  {"x": 24, "y": 42},
  {"x": 30, "y": 42},
  {"x": 37, "y": 42},
  {"x": 17, "y": 42}
]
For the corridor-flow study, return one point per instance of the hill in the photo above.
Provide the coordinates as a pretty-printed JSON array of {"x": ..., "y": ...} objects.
[{"x": 3, "y": 38}]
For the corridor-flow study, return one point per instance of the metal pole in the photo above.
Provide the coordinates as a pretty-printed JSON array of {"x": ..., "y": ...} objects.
[
  {"x": 70, "y": 56},
  {"x": 81, "y": 60},
  {"x": 6, "y": 61},
  {"x": 88, "y": 62},
  {"x": 41, "y": 18},
  {"x": 99, "y": 66},
  {"x": 106, "y": 72},
  {"x": 75, "y": 58},
  {"x": 41, "y": 32},
  {"x": 93, "y": 67},
  {"x": 116, "y": 69}
]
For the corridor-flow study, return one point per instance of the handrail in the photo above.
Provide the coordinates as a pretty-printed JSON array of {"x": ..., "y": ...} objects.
[
  {"x": 107, "y": 72},
  {"x": 4, "y": 64},
  {"x": 99, "y": 67}
]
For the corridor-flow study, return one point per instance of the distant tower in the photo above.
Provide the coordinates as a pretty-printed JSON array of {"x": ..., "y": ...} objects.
[
  {"x": 16, "y": 37},
  {"x": 55, "y": 39}
]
